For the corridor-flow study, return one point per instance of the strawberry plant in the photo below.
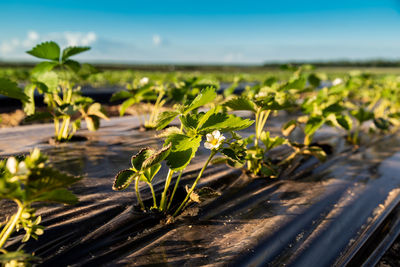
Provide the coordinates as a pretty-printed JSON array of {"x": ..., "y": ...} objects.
[
  {"x": 54, "y": 78},
  {"x": 27, "y": 182},
  {"x": 139, "y": 91},
  {"x": 181, "y": 145}
]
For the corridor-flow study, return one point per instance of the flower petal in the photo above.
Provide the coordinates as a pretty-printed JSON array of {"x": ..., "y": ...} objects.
[{"x": 207, "y": 145}]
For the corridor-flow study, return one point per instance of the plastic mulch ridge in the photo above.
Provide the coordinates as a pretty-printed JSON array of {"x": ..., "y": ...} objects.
[{"x": 343, "y": 211}]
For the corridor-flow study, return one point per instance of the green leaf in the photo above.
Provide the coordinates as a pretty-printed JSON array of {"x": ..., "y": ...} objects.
[
  {"x": 43, "y": 67},
  {"x": 165, "y": 118},
  {"x": 270, "y": 81},
  {"x": 224, "y": 123},
  {"x": 313, "y": 124},
  {"x": 289, "y": 127},
  {"x": 95, "y": 109},
  {"x": 120, "y": 95},
  {"x": 241, "y": 103},
  {"x": 92, "y": 123},
  {"x": 345, "y": 122},
  {"x": 126, "y": 104},
  {"x": 46, "y": 50},
  {"x": 362, "y": 115},
  {"x": 182, "y": 151},
  {"x": 190, "y": 121},
  {"x": 38, "y": 116},
  {"x": 206, "y": 116},
  {"x": 233, "y": 159},
  {"x": 206, "y": 96},
  {"x": 138, "y": 159},
  {"x": 149, "y": 173},
  {"x": 123, "y": 179},
  {"x": 314, "y": 80},
  {"x": 86, "y": 70},
  {"x": 167, "y": 132},
  {"x": 61, "y": 195},
  {"x": 382, "y": 124},
  {"x": 11, "y": 89},
  {"x": 298, "y": 84},
  {"x": 73, "y": 65},
  {"x": 29, "y": 106},
  {"x": 73, "y": 50},
  {"x": 50, "y": 79},
  {"x": 44, "y": 180},
  {"x": 271, "y": 142},
  {"x": 333, "y": 108},
  {"x": 157, "y": 157}
]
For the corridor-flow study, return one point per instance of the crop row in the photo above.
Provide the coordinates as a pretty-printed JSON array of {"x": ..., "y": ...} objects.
[{"x": 188, "y": 111}]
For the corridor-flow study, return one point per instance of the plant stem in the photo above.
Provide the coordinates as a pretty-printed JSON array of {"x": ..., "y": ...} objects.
[
  {"x": 256, "y": 126},
  {"x": 163, "y": 202},
  {"x": 56, "y": 126},
  {"x": 262, "y": 124},
  {"x": 173, "y": 192},
  {"x": 154, "y": 195},
  {"x": 138, "y": 193},
  {"x": 11, "y": 226},
  {"x": 66, "y": 128},
  {"x": 61, "y": 130},
  {"x": 213, "y": 152}
]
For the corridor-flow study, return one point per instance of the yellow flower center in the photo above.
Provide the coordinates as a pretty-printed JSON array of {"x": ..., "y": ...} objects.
[{"x": 214, "y": 142}]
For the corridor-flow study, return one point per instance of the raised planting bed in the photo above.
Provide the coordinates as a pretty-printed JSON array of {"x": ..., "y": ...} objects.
[{"x": 344, "y": 211}]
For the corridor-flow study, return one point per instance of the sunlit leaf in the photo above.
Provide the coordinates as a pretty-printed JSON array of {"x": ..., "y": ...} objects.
[
  {"x": 11, "y": 89},
  {"x": 123, "y": 179},
  {"x": 157, "y": 157},
  {"x": 73, "y": 50},
  {"x": 138, "y": 159},
  {"x": 224, "y": 123},
  {"x": 46, "y": 50},
  {"x": 206, "y": 96},
  {"x": 241, "y": 103},
  {"x": 165, "y": 118},
  {"x": 182, "y": 151}
]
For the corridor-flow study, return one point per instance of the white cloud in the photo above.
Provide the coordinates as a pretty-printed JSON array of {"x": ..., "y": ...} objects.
[
  {"x": 31, "y": 39},
  {"x": 233, "y": 57},
  {"x": 16, "y": 47},
  {"x": 79, "y": 38},
  {"x": 157, "y": 40}
]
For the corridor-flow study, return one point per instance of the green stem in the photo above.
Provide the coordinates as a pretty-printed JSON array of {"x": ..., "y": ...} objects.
[
  {"x": 213, "y": 152},
  {"x": 66, "y": 128},
  {"x": 262, "y": 124},
  {"x": 256, "y": 126},
  {"x": 175, "y": 188},
  {"x": 154, "y": 196},
  {"x": 154, "y": 112},
  {"x": 56, "y": 126},
  {"x": 138, "y": 193},
  {"x": 163, "y": 202},
  {"x": 11, "y": 226},
  {"x": 61, "y": 130}
]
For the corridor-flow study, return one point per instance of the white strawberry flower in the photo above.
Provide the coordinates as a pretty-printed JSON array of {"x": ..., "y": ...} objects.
[
  {"x": 214, "y": 140},
  {"x": 22, "y": 168},
  {"x": 261, "y": 94},
  {"x": 337, "y": 81},
  {"x": 12, "y": 165},
  {"x": 144, "y": 81}
]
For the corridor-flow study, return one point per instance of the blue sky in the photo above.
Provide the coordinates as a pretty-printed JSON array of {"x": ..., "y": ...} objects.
[{"x": 205, "y": 31}]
